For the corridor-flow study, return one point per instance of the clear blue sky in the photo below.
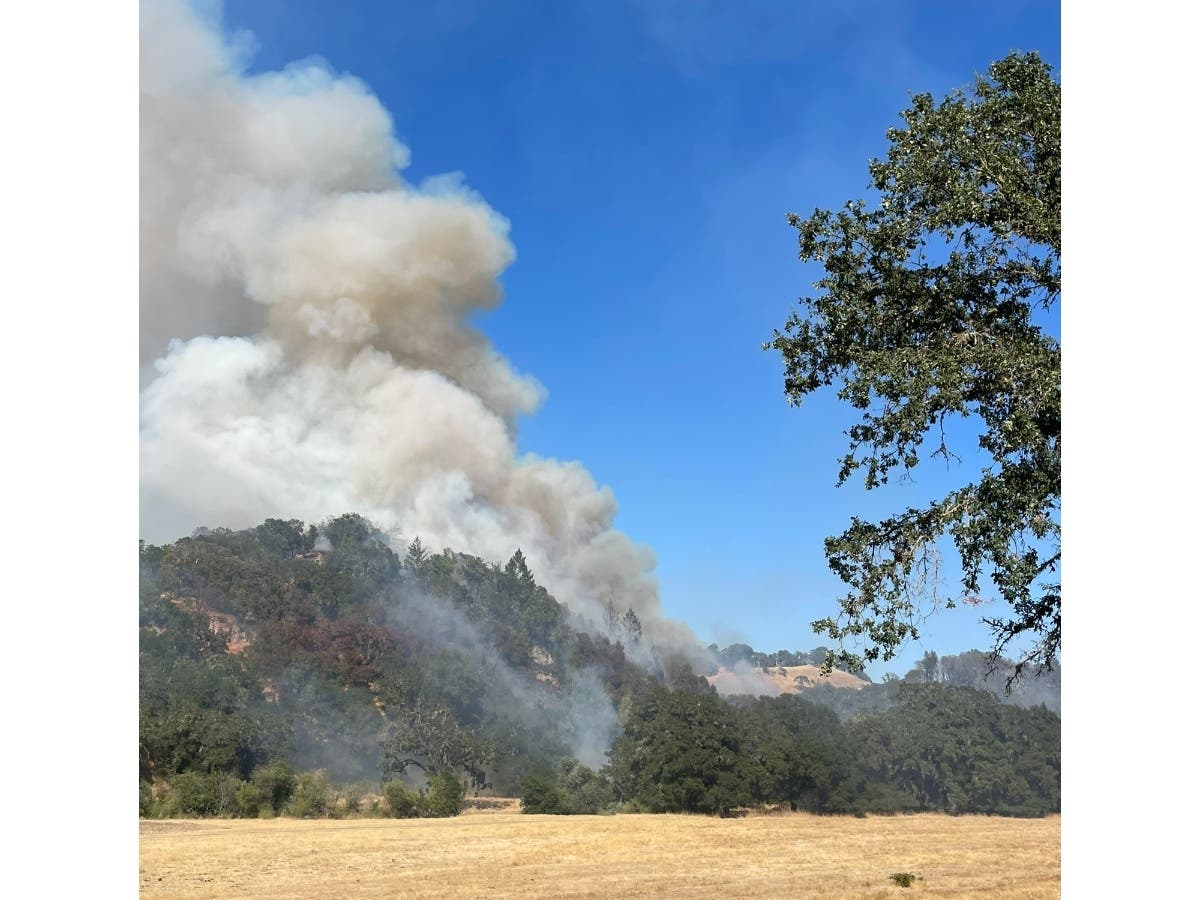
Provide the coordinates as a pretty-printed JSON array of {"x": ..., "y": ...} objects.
[{"x": 645, "y": 152}]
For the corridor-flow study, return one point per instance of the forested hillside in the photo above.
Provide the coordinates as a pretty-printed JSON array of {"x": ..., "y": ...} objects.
[{"x": 293, "y": 668}]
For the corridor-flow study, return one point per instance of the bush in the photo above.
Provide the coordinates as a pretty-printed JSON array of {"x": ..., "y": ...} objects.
[
  {"x": 227, "y": 787},
  {"x": 249, "y": 800},
  {"x": 584, "y": 792},
  {"x": 276, "y": 781},
  {"x": 540, "y": 795},
  {"x": 445, "y": 797},
  {"x": 310, "y": 799},
  {"x": 192, "y": 794},
  {"x": 353, "y": 797},
  {"x": 402, "y": 801},
  {"x": 575, "y": 790}
]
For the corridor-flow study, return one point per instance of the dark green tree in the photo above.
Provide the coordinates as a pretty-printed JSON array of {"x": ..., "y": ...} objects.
[
  {"x": 799, "y": 748},
  {"x": 959, "y": 750},
  {"x": 445, "y": 796},
  {"x": 632, "y": 626},
  {"x": 519, "y": 569},
  {"x": 416, "y": 557},
  {"x": 681, "y": 752},
  {"x": 932, "y": 309},
  {"x": 573, "y": 790},
  {"x": 540, "y": 794},
  {"x": 284, "y": 539}
]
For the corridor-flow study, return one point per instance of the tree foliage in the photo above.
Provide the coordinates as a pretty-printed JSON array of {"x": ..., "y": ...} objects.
[
  {"x": 276, "y": 680},
  {"x": 931, "y": 311},
  {"x": 960, "y": 750}
]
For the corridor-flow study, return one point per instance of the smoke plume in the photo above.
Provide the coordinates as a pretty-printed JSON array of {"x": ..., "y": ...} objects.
[
  {"x": 305, "y": 341},
  {"x": 582, "y": 715}
]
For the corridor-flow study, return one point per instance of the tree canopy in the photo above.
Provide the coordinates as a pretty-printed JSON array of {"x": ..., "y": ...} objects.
[
  {"x": 280, "y": 680},
  {"x": 933, "y": 309}
]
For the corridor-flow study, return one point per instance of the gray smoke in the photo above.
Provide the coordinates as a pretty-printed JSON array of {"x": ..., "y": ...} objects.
[
  {"x": 745, "y": 678},
  {"x": 582, "y": 713},
  {"x": 305, "y": 341}
]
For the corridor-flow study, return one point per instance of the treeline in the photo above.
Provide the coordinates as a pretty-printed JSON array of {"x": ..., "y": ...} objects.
[
  {"x": 972, "y": 668},
  {"x": 277, "y": 789},
  {"x": 940, "y": 748},
  {"x": 289, "y": 669},
  {"x": 323, "y": 648}
]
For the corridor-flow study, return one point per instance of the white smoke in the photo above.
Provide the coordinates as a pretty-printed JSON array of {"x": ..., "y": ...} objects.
[
  {"x": 744, "y": 678},
  {"x": 305, "y": 344}
]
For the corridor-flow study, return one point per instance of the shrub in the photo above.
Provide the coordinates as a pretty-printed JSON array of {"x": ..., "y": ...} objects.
[
  {"x": 276, "y": 781},
  {"x": 584, "y": 791},
  {"x": 310, "y": 797},
  {"x": 402, "y": 801},
  {"x": 905, "y": 879},
  {"x": 540, "y": 795},
  {"x": 249, "y": 800},
  {"x": 445, "y": 797},
  {"x": 575, "y": 790},
  {"x": 227, "y": 787},
  {"x": 353, "y": 797},
  {"x": 192, "y": 794}
]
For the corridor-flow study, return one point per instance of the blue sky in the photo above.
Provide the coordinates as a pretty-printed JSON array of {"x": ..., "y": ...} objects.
[{"x": 645, "y": 154}]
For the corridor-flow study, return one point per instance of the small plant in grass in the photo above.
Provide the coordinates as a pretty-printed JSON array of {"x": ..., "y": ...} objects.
[{"x": 905, "y": 879}]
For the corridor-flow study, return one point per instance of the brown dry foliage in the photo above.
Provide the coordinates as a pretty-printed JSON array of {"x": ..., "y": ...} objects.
[{"x": 505, "y": 854}]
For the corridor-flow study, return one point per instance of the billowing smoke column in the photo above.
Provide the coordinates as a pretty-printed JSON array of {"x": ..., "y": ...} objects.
[{"x": 305, "y": 348}]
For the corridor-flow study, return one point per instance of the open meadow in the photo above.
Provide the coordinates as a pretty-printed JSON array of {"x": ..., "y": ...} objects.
[{"x": 506, "y": 854}]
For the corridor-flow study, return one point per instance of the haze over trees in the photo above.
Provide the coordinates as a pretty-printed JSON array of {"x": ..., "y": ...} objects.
[
  {"x": 935, "y": 309},
  {"x": 293, "y": 669}
]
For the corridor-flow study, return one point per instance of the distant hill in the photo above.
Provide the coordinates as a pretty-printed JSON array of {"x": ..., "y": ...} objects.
[
  {"x": 771, "y": 681},
  {"x": 740, "y": 670}
]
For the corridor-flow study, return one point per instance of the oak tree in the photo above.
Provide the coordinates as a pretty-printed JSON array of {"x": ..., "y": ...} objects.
[{"x": 934, "y": 307}]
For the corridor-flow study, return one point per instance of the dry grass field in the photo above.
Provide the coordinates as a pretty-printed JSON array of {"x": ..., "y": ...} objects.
[{"x": 506, "y": 854}]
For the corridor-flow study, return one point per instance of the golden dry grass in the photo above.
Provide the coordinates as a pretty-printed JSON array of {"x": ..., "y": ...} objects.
[{"x": 506, "y": 854}]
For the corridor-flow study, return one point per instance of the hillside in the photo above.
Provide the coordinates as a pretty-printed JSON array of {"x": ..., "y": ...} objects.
[
  {"x": 771, "y": 681},
  {"x": 303, "y": 668},
  {"x": 351, "y": 660}
]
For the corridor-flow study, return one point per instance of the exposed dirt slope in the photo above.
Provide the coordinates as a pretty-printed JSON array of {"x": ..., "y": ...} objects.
[{"x": 776, "y": 680}]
